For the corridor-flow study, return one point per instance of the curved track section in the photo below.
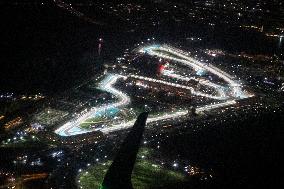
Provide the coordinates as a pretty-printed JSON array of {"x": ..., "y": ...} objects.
[{"x": 72, "y": 127}]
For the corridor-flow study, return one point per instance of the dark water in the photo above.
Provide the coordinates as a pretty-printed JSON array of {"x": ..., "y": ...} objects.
[{"x": 46, "y": 49}]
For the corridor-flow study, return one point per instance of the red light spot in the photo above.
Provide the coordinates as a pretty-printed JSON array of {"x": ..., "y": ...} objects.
[{"x": 161, "y": 68}]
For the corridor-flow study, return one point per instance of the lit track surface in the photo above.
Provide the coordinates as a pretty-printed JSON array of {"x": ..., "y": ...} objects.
[
  {"x": 191, "y": 89},
  {"x": 168, "y": 116},
  {"x": 227, "y": 98},
  {"x": 73, "y": 128},
  {"x": 194, "y": 64},
  {"x": 220, "y": 89}
]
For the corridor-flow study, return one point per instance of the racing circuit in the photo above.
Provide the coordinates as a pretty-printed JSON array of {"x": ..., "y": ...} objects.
[{"x": 227, "y": 94}]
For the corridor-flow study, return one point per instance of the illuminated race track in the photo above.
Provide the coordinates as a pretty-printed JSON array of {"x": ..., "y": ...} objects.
[
  {"x": 162, "y": 51},
  {"x": 72, "y": 127},
  {"x": 220, "y": 89},
  {"x": 186, "y": 60},
  {"x": 167, "y": 116},
  {"x": 191, "y": 89}
]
